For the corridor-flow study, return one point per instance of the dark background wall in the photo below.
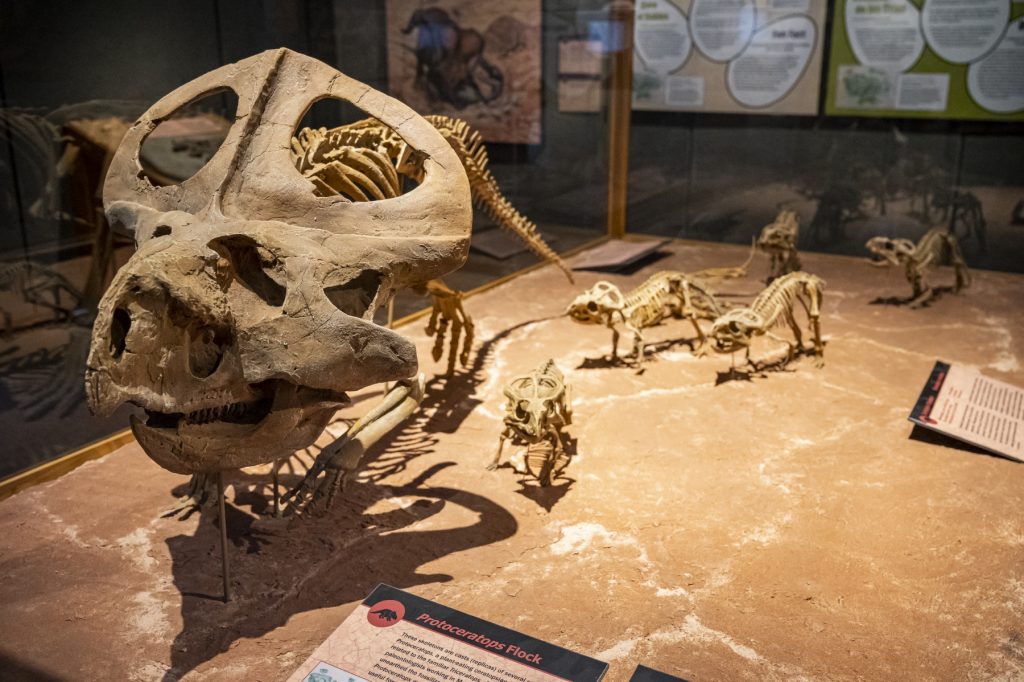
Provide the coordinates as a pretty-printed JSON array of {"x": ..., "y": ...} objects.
[{"x": 63, "y": 61}]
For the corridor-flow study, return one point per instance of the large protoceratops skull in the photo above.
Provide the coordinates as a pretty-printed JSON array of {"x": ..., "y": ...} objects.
[{"x": 246, "y": 312}]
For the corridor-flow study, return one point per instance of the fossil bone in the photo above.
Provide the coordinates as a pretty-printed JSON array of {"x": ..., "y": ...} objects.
[
  {"x": 773, "y": 307},
  {"x": 318, "y": 152},
  {"x": 661, "y": 295},
  {"x": 936, "y": 247},
  {"x": 538, "y": 406},
  {"x": 778, "y": 240},
  {"x": 366, "y": 160},
  {"x": 447, "y": 310},
  {"x": 245, "y": 315}
]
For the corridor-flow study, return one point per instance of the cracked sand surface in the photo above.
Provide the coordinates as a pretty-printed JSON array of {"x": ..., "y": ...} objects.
[{"x": 785, "y": 527}]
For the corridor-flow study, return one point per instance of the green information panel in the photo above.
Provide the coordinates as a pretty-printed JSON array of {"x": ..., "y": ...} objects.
[{"x": 959, "y": 59}]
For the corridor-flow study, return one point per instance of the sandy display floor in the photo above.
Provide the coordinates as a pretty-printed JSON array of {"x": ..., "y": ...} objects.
[{"x": 784, "y": 526}]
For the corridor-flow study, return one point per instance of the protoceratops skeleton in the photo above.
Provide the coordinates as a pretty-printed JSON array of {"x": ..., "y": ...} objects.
[
  {"x": 245, "y": 315},
  {"x": 538, "y": 407},
  {"x": 664, "y": 294},
  {"x": 773, "y": 307},
  {"x": 937, "y": 247},
  {"x": 366, "y": 160},
  {"x": 778, "y": 240}
]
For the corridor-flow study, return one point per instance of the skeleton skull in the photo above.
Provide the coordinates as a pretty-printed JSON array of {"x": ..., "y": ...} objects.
[
  {"x": 781, "y": 234},
  {"x": 734, "y": 330},
  {"x": 245, "y": 315},
  {"x": 594, "y": 304},
  {"x": 890, "y": 249}
]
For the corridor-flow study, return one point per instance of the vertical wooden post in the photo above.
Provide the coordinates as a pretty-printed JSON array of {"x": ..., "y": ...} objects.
[{"x": 620, "y": 104}]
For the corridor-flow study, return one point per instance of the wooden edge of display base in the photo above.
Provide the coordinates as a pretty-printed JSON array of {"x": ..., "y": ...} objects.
[{"x": 55, "y": 468}]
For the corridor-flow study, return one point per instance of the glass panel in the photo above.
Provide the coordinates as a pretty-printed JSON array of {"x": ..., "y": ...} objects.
[
  {"x": 69, "y": 94},
  {"x": 722, "y": 178}
]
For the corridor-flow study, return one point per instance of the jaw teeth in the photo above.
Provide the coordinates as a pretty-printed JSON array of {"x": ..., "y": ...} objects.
[{"x": 214, "y": 413}]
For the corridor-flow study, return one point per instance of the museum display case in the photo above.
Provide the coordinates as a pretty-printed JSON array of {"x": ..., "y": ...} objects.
[{"x": 354, "y": 340}]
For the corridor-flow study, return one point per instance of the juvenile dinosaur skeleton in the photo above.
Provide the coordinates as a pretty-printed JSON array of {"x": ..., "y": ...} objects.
[
  {"x": 365, "y": 160},
  {"x": 246, "y": 314},
  {"x": 538, "y": 407},
  {"x": 664, "y": 294},
  {"x": 778, "y": 240},
  {"x": 937, "y": 247},
  {"x": 774, "y": 306}
]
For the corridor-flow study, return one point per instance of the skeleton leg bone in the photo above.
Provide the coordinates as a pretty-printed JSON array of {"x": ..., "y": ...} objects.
[
  {"x": 341, "y": 458},
  {"x": 467, "y": 343},
  {"x": 442, "y": 329},
  {"x": 814, "y": 315},
  {"x": 505, "y": 435},
  {"x": 703, "y": 348},
  {"x": 200, "y": 493},
  {"x": 453, "y": 351},
  {"x": 791, "y": 350}
]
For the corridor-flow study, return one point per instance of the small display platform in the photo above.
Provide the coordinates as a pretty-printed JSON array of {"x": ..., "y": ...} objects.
[{"x": 715, "y": 523}]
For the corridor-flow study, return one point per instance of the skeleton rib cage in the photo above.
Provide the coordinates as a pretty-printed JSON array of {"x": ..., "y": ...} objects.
[
  {"x": 363, "y": 161},
  {"x": 663, "y": 294},
  {"x": 778, "y": 299},
  {"x": 668, "y": 292},
  {"x": 773, "y": 307}
]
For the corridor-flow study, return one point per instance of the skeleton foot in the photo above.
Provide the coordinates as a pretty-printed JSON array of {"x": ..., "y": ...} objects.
[
  {"x": 341, "y": 458},
  {"x": 201, "y": 493},
  {"x": 921, "y": 299}
]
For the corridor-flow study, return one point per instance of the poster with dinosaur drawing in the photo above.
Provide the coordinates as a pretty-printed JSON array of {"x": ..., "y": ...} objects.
[{"x": 478, "y": 61}]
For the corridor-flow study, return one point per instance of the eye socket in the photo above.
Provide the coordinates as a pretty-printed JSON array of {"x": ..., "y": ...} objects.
[
  {"x": 733, "y": 327},
  {"x": 205, "y": 351},
  {"x": 253, "y": 267},
  {"x": 592, "y": 306},
  {"x": 356, "y": 296}
]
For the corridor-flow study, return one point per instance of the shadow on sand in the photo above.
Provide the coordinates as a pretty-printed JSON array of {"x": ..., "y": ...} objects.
[
  {"x": 280, "y": 569},
  {"x": 761, "y": 370},
  {"x": 936, "y": 294}
]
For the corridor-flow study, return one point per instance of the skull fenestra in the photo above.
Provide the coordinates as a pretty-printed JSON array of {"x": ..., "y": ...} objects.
[{"x": 245, "y": 315}]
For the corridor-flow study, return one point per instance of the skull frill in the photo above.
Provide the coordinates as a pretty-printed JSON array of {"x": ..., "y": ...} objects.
[{"x": 245, "y": 315}]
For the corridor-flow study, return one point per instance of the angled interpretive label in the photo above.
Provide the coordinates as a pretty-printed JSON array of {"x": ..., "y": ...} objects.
[
  {"x": 395, "y": 635},
  {"x": 964, "y": 403}
]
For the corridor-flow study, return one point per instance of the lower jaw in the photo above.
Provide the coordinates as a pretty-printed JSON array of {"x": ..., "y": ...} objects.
[{"x": 295, "y": 419}]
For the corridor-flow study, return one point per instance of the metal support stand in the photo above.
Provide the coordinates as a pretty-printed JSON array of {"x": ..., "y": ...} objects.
[
  {"x": 277, "y": 488},
  {"x": 226, "y": 570}
]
